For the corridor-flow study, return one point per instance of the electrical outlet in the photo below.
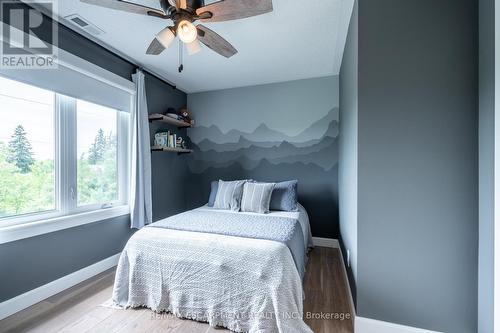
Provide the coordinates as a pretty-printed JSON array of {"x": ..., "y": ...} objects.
[{"x": 348, "y": 258}]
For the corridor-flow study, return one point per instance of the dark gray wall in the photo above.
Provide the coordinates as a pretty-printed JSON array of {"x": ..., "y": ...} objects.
[
  {"x": 29, "y": 263},
  {"x": 417, "y": 160},
  {"x": 32, "y": 262},
  {"x": 486, "y": 164},
  {"x": 169, "y": 171},
  {"x": 348, "y": 151},
  {"x": 271, "y": 132}
]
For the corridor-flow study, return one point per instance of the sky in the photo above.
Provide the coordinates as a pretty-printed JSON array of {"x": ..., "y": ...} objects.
[{"x": 33, "y": 108}]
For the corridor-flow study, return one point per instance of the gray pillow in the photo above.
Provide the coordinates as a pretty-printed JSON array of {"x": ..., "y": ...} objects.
[
  {"x": 214, "y": 185},
  {"x": 256, "y": 197},
  {"x": 284, "y": 196},
  {"x": 229, "y": 195}
]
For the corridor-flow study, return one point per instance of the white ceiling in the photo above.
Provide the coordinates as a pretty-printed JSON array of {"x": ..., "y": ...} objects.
[{"x": 298, "y": 40}]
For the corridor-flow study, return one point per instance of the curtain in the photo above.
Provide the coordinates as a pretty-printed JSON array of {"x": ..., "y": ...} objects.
[{"x": 141, "y": 210}]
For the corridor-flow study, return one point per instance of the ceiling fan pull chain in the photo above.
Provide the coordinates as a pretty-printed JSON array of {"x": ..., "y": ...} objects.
[{"x": 181, "y": 66}]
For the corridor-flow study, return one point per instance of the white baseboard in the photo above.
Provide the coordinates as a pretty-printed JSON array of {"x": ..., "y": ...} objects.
[
  {"x": 18, "y": 303},
  {"x": 326, "y": 242},
  {"x": 346, "y": 279},
  {"x": 367, "y": 325}
]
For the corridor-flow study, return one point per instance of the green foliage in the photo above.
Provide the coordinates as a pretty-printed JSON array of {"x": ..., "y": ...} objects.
[
  {"x": 25, "y": 192},
  {"x": 20, "y": 151},
  {"x": 98, "y": 148},
  {"x": 97, "y": 174},
  {"x": 32, "y": 190}
]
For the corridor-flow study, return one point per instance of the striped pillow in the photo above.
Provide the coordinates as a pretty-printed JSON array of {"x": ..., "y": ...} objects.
[
  {"x": 229, "y": 195},
  {"x": 256, "y": 197}
]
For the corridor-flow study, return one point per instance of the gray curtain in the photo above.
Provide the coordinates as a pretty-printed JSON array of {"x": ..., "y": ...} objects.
[{"x": 141, "y": 210}]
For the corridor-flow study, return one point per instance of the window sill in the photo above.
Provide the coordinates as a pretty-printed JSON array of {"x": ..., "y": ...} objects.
[{"x": 31, "y": 229}]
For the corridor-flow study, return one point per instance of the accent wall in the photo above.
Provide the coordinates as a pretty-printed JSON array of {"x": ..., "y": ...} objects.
[{"x": 270, "y": 132}]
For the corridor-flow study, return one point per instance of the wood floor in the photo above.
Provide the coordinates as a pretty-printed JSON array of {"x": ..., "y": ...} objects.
[{"x": 77, "y": 309}]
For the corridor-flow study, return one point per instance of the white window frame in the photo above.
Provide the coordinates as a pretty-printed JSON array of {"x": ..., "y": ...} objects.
[
  {"x": 122, "y": 126},
  {"x": 67, "y": 214},
  {"x": 65, "y": 166}
]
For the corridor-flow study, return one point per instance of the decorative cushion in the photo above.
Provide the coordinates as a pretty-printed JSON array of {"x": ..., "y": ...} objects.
[
  {"x": 214, "y": 185},
  {"x": 256, "y": 197},
  {"x": 229, "y": 195},
  {"x": 284, "y": 196}
]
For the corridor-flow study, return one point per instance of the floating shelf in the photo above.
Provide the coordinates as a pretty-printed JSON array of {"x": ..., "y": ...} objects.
[
  {"x": 172, "y": 150},
  {"x": 168, "y": 120}
]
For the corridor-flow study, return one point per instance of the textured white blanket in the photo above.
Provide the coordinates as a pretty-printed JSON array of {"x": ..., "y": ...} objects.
[{"x": 246, "y": 285}]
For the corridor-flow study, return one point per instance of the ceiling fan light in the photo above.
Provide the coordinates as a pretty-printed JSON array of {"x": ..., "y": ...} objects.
[
  {"x": 187, "y": 31},
  {"x": 193, "y": 47},
  {"x": 165, "y": 37}
]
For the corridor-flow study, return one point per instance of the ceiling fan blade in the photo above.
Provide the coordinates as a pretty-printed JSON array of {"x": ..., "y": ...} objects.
[
  {"x": 155, "y": 47},
  {"x": 127, "y": 6},
  {"x": 226, "y": 10},
  {"x": 215, "y": 42}
]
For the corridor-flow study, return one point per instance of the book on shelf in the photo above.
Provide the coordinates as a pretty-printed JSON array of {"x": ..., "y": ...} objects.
[{"x": 167, "y": 139}]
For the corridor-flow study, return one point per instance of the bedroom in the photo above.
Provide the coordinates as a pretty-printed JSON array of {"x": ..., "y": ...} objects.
[{"x": 356, "y": 138}]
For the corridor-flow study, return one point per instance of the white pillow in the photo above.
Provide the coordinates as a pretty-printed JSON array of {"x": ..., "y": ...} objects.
[
  {"x": 256, "y": 197},
  {"x": 229, "y": 195}
]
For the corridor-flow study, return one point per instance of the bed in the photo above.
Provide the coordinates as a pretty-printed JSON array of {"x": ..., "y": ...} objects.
[{"x": 242, "y": 271}]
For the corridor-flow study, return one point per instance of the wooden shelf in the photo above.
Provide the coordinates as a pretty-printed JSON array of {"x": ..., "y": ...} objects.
[
  {"x": 172, "y": 150},
  {"x": 168, "y": 120}
]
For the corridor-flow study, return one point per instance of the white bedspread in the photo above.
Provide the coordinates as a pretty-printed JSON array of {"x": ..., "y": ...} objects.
[{"x": 244, "y": 284}]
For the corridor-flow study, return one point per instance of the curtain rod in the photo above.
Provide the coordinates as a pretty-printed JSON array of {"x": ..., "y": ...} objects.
[{"x": 153, "y": 75}]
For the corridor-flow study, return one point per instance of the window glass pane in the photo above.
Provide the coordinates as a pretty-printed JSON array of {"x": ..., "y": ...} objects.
[
  {"x": 97, "y": 174},
  {"x": 27, "y": 145}
]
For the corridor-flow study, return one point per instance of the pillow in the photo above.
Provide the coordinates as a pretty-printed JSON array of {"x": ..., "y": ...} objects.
[
  {"x": 214, "y": 185},
  {"x": 256, "y": 197},
  {"x": 284, "y": 196},
  {"x": 229, "y": 195}
]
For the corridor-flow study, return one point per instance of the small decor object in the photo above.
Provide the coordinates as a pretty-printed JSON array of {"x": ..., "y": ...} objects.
[
  {"x": 185, "y": 115},
  {"x": 179, "y": 142},
  {"x": 161, "y": 139}
]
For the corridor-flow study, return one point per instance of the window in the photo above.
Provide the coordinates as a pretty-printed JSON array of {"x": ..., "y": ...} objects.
[
  {"x": 58, "y": 155},
  {"x": 27, "y": 146},
  {"x": 97, "y": 181}
]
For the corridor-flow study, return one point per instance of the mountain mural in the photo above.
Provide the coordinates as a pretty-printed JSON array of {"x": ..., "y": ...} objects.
[
  {"x": 270, "y": 153},
  {"x": 263, "y": 134},
  {"x": 321, "y": 152}
]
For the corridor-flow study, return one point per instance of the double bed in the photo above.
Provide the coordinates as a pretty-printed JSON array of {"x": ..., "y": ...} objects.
[{"x": 242, "y": 271}]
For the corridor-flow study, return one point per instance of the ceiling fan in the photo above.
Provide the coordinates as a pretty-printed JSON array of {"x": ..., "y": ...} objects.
[{"x": 184, "y": 13}]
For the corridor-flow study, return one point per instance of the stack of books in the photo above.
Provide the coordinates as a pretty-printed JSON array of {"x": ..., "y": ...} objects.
[{"x": 166, "y": 139}]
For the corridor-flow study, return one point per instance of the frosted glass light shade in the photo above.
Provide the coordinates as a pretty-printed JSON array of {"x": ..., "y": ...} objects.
[
  {"x": 193, "y": 47},
  {"x": 187, "y": 31},
  {"x": 165, "y": 37}
]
